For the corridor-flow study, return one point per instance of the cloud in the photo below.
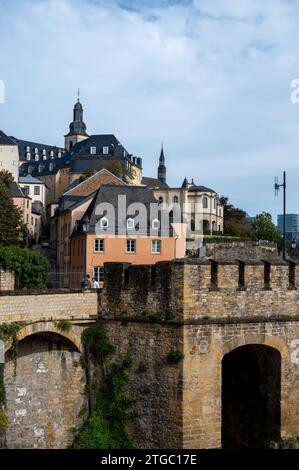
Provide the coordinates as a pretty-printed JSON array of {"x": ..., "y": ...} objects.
[{"x": 210, "y": 79}]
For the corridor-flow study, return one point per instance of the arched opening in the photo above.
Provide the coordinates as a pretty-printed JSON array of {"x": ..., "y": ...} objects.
[
  {"x": 44, "y": 391},
  {"x": 251, "y": 397},
  {"x": 205, "y": 225}
]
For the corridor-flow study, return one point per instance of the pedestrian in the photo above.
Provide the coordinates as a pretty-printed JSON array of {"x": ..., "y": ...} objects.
[
  {"x": 86, "y": 284},
  {"x": 95, "y": 284}
]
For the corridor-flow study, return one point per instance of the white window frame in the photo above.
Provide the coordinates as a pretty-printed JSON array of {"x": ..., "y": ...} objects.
[
  {"x": 104, "y": 223},
  {"x": 98, "y": 273},
  {"x": 93, "y": 150},
  {"x": 28, "y": 155},
  {"x": 156, "y": 243},
  {"x": 99, "y": 245},
  {"x": 106, "y": 150},
  {"x": 154, "y": 223},
  {"x": 36, "y": 190},
  {"x": 130, "y": 223},
  {"x": 129, "y": 243}
]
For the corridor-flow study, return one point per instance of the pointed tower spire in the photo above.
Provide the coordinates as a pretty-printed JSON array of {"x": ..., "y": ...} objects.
[
  {"x": 77, "y": 130},
  {"x": 162, "y": 167}
]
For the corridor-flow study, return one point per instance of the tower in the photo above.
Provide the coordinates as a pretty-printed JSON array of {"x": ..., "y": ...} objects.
[
  {"x": 162, "y": 167},
  {"x": 77, "y": 130}
]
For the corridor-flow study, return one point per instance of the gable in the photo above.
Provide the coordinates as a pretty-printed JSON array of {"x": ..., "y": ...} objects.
[{"x": 94, "y": 182}]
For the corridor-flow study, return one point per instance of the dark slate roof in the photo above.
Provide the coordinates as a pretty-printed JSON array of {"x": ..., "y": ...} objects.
[
  {"x": 99, "y": 141},
  {"x": 23, "y": 144},
  {"x": 71, "y": 202},
  {"x": 134, "y": 194},
  {"x": 194, "y": 188},
  {"x": 5, "y": 140},
  {"x": 30, "y": 179},
  {"x": 153, "y": 183},
  {"x": 16, "y": 191},
  {"x": 44, "y": 167}
]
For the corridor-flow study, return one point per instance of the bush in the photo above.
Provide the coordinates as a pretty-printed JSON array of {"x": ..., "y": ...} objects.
[
  {"x": 30, "y": 266},
  {"x": 174, "y": 357}
]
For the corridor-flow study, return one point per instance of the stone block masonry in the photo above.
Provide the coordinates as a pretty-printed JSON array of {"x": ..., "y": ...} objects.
[{"x": 211, "y": 312}]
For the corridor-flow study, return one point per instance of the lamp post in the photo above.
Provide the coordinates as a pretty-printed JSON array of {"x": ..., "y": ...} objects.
[
  {"x": 85, "y": 228},
  {"x": 277, "y": 186},
  {"x": 294, "y": 246}
]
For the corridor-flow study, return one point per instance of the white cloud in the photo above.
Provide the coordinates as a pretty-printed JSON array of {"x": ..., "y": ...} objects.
[{"x": 210, "y": 79}]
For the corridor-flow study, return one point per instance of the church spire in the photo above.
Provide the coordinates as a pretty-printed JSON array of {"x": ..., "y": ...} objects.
[
  {"x": 162, "y": 167},
  {"x": 77, "y": 130}
]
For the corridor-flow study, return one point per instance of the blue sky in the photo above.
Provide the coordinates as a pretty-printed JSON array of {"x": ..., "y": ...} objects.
[{"x": 211, "y": 79}]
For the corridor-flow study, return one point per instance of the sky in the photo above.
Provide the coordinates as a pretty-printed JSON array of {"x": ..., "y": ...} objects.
[{"x": 211, "y": 79}]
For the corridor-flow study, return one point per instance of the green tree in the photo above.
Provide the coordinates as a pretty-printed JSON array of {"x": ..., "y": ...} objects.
[
  {"x": 12, "y": 229},
  {"x": 264, "y": 229},
  {"x": 235, "y": 222},
  {"x": 30, "y": 266}
]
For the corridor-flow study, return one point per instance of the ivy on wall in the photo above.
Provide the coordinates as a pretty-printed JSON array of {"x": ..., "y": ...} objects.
[{"x": 111, "y": 404}]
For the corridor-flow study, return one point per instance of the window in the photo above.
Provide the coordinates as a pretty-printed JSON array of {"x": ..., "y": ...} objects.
[
  {"x": 105, "y": 150},
  {"x": 27, "y": 207},
  {"x": 44, "y": 157},
  {"x": 51, "y": 167},
  {"x": 99, "y": 245},
  {"x": 25, "y": 190},
  {"x": 59, "y": 154},
  {"x": 36, "y": 190},
  {"x": 98, "y": 273},
  {"x": 219, "y": 212},
  {"x": 27, "y": 149},
  {"x": 51, "y": 153},
  {"x": 28, "y": 156},
  {"x": 31, "y": 220},
  {"x": 161, "y": 200},
  {"x": 205, "y": 202},
  {"x": 131, "y": 246},
  {"x": 104, "y": 223},
  {"x": 130, "y": 223},
  {"x": 36, "y": 158},
  {"x": 156, "y": 224},
  {"x": 175, "y": 200},
  {"x": 93, "y": 150},
  {"x": 36, "y": 150},
  {"x": 214, "y": 203},
  {"x": 156, "y": 246},
  {"x": 27, "y": 218}
]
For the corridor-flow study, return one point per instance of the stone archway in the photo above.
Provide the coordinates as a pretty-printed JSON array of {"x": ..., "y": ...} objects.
[
  {"x": 45, "y": 393},
  {"x": 251, "y": 388}
]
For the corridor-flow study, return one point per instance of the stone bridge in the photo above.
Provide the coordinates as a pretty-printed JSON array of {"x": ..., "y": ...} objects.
[{"x": 215, "y": 350}]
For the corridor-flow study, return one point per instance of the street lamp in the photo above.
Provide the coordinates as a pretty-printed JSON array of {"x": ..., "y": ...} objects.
[
  {"x": 85, "y": 228},
  {"x": 294, "y": 246}
]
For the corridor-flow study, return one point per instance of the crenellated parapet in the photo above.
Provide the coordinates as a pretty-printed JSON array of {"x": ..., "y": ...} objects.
[{"x": 190, "y": 289}]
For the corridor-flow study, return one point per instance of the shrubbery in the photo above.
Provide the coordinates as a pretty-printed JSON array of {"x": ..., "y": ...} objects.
[{"x": 30, "y": 266}]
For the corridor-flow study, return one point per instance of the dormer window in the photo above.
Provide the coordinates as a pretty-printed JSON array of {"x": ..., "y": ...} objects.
[
  {"x": 59, "y": 154},
  {"x": 36, "y": 157},
  {"x": 44, "y": 151},
  {"x": 36, "y": 150},
  {"x": 104, "y": 223},
  {"x": 44, "y": 157},
  {"x": 130, "y": 223},
  {"x": 51, "y": 153},
  {"x": 28, "y": 156},
  {"x": 51, "y": 166},
  {"x": 105, "y": 150},
  {"x": 155, "y": 224},
  {"x": 27, "y": 148},
  {"x": 93, "y": 150}
]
